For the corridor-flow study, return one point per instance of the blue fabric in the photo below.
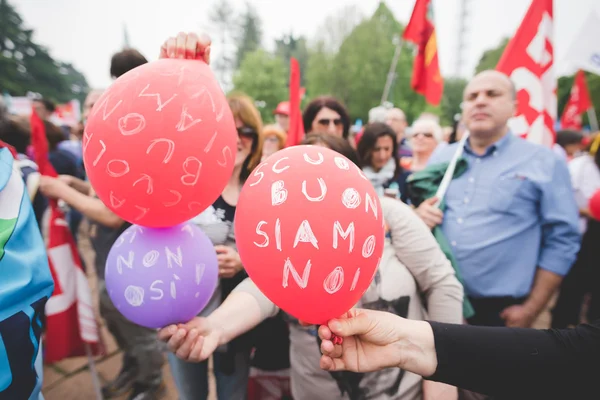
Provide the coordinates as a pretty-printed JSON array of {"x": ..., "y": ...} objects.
[
  {"x": 26, "y": 285},
  {"x": 512, "y": 211}
]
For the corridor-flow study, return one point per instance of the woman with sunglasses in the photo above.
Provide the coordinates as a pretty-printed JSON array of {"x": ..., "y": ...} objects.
[
  {"x": 326, "y": 114},
  {"x": 425, "y": 136},
  {"x": 232, "y": 362}
]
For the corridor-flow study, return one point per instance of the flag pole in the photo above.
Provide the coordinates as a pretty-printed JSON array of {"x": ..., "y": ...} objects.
[
  {"x": 592, "y": 118},
  {"x": 94, "y": 372},
  {"x": 392, "y": 73}
]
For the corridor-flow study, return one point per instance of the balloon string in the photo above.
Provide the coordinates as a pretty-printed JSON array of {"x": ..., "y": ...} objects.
[{"x": 336, "y": 339}]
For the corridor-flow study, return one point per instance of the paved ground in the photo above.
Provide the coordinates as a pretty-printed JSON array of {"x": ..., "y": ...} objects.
[{"x": 71, "y": 379}]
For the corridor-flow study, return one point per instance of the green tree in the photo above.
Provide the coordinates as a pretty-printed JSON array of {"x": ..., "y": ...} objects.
[
  {"x": 359, "y": 70},
  {"x": 250, "y": 34},
  {"x": 452, "y": 98},
  {"x": 319, "y": 71},
  {"x": 289, "y": 46},
  {"x": 263, "y": 77},
  {"x": 26, "y": 66},
  {"x": 222, "y": 19},
  {"x": 489, "y": 59}
]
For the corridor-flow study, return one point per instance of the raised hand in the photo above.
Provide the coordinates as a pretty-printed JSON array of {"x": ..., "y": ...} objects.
[{"x": 187, "y": 46}]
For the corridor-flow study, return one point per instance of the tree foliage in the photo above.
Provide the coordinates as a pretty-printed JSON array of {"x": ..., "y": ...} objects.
[
  {"x": 27, "y": 66},
  {"x": 489, "y": 59},
  {"x": 263, "y": 77},
  {"x": 222, "y": 19},
  {"x": 289, "y": 46},
  {"x": 356, "y": 75},
  {"x": 250, "y": 35}
]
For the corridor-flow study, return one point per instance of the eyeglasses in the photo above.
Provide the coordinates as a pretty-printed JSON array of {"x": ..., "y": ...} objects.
[
  {"x": 327, "y": 121},
  {"x": 247, "y": 132},
  {"x": 428, "y": 135}
]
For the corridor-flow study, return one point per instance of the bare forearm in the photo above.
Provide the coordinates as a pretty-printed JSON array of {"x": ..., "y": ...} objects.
[
  {"x": 239, "y": 313},
  {"x": 81, "y": 186},
  {"x": 91, "y": 207},
  {"x": 544, "y": 286}
]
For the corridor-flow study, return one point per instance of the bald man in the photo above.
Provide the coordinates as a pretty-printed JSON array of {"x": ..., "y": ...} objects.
[
  {"x": 511, "y": 218},
  {"x": 397, "y": 120}
]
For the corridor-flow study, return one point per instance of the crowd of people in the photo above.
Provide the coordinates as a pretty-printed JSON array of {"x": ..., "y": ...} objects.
[{"x": 512, "y": 237}]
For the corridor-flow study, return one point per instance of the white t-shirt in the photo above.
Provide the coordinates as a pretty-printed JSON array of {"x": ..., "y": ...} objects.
[{"x": 585, "y": 177}]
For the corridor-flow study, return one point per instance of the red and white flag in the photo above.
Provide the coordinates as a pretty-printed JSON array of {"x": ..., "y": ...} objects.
[
  {"x": 578, "y": 103},
  {"x": 70, "y": 319},
  {"x": 529, "y": 61}
]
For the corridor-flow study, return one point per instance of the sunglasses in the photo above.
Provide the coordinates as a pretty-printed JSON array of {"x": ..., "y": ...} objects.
[
  {"x": 327, "y": 121},
  {"x": 247, "y": 132},
  {"x": 428, "y": 135}
]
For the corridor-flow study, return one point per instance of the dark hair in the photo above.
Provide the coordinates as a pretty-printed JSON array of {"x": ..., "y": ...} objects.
[
  {"x": 48, "y": 104},
  {"x": 313, "y": 108},
  {"x": 333, "y": 142},
  {"x": 124, "y": 61},
  {"x": 369, "y": 138},
  {"x": 15, "y": 135},
  {"x": 566, "y": 137},
  {"x": 54, "y": 134}
]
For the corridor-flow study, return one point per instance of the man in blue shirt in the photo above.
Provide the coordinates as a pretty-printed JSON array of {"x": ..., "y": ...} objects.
[{"x": 511, "y": 218}]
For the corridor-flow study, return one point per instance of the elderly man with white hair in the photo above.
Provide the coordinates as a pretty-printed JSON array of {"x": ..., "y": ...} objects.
[{"x": 425, "y": 136}]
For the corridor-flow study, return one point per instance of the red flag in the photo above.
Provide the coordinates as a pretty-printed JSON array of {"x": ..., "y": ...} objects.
[
  {"x": 296, "y": 130},
  {"x": 427, "y": 79},
  {"x": 528, "y": 60},
  {"x": 578, "y": 103},
  {"x": 70, "y": 318}
]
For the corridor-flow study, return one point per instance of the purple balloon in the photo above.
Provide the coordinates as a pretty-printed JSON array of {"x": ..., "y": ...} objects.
[{"x": 161, "y": 276}]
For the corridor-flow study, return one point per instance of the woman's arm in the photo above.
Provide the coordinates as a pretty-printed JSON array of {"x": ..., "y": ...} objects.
[
  {"x": 78, "y": 184},
  {"x": 520, "y": 362},
  {"x": 242, "y": 310},
  {"x": 511, "y": 363},
  {"x": 92, "y": 208},
  {"x": 418, "y": 250}
]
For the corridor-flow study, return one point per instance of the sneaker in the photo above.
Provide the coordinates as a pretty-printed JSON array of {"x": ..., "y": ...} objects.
[
  {"x": 120, "y": 385},
  {"x": 147, "y": 392}
]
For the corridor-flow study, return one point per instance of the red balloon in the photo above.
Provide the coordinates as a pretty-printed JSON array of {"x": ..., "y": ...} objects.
[
  {"x": 159, "y": 145},
  {"x": 595, "y": 205},
  {"x": 310, "y": 232}
]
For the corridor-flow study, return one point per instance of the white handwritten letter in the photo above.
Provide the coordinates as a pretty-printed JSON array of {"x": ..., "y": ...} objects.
[
  {"x": 278, "y": 234},
  {"x": 323, "y": 191},
  {"x": 368, "y": 247},
  {"x": 279, "y": 170},
  {"x": 288, "y": 267},
  {"x": 97, "y": 160},
  {"x": 117, "y": 174},
  {"x": 278, "y": 193},
  {"x": 170, "y": 149},
  {"x": 128, "y": 262},
  {"x": 199, "y": 272},
  {"x": 305, "y": 234},
  {"x": 178, "y": 259},
  {"x": 334, "y": 281},
  {"x": 150, "y": 258},
  {"x": 355, "y": 280},
  {"x": 134, "y": 295},
  {"x": 160, "y": 105},
  {"x": 313, "y": 162},
  {"x": 263, "y": 234},
  {"x": 369, "y": 201},
  {"x": 337, "y": 229},
  {"x": 350, "y": 198},
  {"x": 183, "y": 124},
  {"x": 342, "y": 163},
  {"x": 257, "y": 173},
  {"x": 154, "y": 289},
  {"x": 147, "y": 178},
  {"x": 131, "y": 124},
  {"x": 191, "y": 178}
]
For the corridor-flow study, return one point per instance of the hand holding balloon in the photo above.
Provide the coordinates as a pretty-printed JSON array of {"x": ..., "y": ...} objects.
[
  {"x": 193, "y": 341},
  {"x": 189, "y": 46},
  {"x": 229, "y": 261},
  {"x": 159, "y": 277}
]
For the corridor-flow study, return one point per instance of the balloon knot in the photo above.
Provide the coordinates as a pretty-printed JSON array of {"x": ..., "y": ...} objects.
[{"x": 336, "y": 339}]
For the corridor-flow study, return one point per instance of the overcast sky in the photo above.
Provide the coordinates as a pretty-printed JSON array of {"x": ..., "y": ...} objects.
[{"x": 86, "y": 33}]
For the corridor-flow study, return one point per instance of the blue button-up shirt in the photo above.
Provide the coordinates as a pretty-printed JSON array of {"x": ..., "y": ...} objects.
[{"x": 512, "y": 211}]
